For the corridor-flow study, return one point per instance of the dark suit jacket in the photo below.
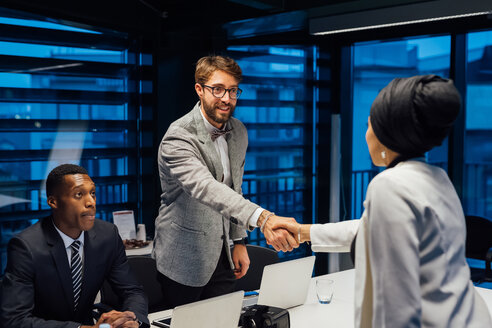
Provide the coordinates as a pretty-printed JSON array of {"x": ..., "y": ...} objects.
[{"x": 37, "y": 286}]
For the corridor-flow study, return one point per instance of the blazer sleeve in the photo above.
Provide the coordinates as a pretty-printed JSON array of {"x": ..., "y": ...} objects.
[
  {"x": 124, "y": 283},
  {"x": 17, "y": 295},
  {"x": 181, "y": 158},
  {"x": 237, "y": 232},
  {"x": 393, "y": 243}
]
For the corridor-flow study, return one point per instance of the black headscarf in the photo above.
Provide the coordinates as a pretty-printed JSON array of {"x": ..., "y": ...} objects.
[{"x": 413, "y": 115}]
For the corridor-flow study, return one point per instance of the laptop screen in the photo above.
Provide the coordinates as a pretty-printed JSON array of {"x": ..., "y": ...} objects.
[
  {"x": 220, "y": 312},
  {"x": 286, "y": 284}
]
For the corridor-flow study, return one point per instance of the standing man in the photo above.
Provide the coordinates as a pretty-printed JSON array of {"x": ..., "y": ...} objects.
[
  {"x": 56, "y": 267},
  {"x": 201, "y": 165}
]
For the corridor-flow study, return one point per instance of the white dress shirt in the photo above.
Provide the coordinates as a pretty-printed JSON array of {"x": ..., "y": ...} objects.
[
  {"x": 222, "y": 149},
  {"x": 68, "y": 242}
]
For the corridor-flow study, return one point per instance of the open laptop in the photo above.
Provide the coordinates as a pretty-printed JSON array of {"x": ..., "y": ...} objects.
[
  {"x": 219, "y": 312},
  {"x": 286, "y": 284}
]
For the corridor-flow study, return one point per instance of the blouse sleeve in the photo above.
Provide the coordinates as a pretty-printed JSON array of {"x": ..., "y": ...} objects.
[{"x": 333, "y": 237}]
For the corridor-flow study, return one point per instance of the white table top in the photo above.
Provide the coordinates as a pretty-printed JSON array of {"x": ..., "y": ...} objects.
[{"x": 339, "y": 313}]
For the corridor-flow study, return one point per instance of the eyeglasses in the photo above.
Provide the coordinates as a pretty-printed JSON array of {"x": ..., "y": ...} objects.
[{"x": 219, "y": 92}]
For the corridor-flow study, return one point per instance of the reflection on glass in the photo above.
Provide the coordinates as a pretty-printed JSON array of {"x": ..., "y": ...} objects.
[
  {"x": 62, "y": 104},
  {"x": 43, "y": 24},
  {"x": 70, "y": 53},
  {"x": 47, "y": 111},
  {"x": 18, "y": 80}
]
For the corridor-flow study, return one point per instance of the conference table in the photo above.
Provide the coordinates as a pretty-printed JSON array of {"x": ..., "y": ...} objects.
[{"x": 339, "y": 313}]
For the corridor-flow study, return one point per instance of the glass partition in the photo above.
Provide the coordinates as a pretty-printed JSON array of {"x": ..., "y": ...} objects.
[
  {"x": 69, "y": 95},
  {"x": 276, "y": 106},
  {"x": 375, "y": 65},
  {"x": 477, "y": 178}
]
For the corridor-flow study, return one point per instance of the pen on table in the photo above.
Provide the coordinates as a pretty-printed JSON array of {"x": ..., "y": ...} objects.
[{"x": 250, "y": 293}]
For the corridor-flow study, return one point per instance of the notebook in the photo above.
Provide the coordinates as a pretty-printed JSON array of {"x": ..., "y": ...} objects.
[
  {"x": 286, "y": 284},
  {"x": 219, "y": 312}
]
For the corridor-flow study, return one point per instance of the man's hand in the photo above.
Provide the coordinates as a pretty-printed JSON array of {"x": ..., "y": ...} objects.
[
  {"x": 120, "y": 319},
  {"x": 117, "y": 319},
  {"x": 289, "y": 225},
  {"x": 301, "y": 232},
  {"x": 280, "y": 239},
  {"x": 241, "y": 260}
]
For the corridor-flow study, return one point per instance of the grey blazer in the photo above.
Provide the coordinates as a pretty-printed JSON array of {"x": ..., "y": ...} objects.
[{"x": 198, "y": 214}]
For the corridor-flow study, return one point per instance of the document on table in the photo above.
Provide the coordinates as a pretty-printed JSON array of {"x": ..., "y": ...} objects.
[{"x": 125, "y": 222}]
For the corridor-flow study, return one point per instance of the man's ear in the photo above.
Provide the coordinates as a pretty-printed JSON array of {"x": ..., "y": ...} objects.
[
  {"x": 199, "y": 90},
  {"x": 52, "y": 202}
]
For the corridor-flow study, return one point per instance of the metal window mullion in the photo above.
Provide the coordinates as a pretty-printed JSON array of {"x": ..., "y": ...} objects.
[{"x": 456, "y": 142}]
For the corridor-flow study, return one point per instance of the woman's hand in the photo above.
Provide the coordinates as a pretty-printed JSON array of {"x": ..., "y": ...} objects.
[{"x": 301, "y": 232}]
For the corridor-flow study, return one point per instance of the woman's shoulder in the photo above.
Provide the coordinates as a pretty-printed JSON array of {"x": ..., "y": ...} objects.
[
  {"x": 390, "y": 177},
  {"x": 408, "y": 177}
]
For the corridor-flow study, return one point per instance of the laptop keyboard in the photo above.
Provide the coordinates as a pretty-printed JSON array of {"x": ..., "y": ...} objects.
[{"x": 250, "y": 300}]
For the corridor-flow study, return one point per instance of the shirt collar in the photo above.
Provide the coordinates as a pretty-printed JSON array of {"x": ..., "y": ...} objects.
[
  {"x": 209, "y": 126},
  {"x": 67, "y": 241}
]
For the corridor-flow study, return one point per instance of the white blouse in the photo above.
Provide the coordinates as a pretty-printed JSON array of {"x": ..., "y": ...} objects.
[{"x": 410, "y": 266}]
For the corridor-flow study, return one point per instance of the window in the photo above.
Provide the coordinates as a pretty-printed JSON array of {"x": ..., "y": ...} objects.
[
  {"x": 375, "y": 65},
  {"x": 69, "y": 95},
  {"x": 477, "y": 180},
  {"x": 276, "y": 107}
]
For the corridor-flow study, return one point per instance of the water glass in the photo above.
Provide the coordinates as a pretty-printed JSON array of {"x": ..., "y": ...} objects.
[{"x": 324, "y": 290}]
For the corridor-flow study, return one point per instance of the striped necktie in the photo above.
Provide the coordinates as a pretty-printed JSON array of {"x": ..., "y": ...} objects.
[{"x": 76, "y": 268}]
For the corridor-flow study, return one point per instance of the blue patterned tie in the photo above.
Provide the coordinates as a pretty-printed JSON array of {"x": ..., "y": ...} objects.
[{"x": 76, "y": 268}]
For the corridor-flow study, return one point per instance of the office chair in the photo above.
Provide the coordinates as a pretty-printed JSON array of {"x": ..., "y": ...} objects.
[
  {"x": 145, "y": 271},
  {"x": 259, "y": 257},
  {"x": 479, "y": 246}
]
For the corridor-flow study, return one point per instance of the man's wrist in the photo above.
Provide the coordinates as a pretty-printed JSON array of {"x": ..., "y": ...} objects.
[
  {"x": 263, "y": 224},
  {"x": 262, "y": 217},
  {"x": 239, "y": 242}
]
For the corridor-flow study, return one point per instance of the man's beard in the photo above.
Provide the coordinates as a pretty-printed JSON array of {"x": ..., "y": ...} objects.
[{"x": 211, "y": 112}]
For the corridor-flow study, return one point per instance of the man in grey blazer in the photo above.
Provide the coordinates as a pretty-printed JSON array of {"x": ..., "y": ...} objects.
[{"x": 201, "y": 165}]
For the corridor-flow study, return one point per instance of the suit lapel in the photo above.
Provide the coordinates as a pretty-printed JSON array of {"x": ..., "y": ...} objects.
[
  {"x": 59, "y": 255},
  {"x": 234, "y": 159},
  {"x": 204, "y": 138}
]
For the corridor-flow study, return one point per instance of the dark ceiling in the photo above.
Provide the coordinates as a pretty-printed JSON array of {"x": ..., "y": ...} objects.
[
  {"x": 186, "y": 21},
  {"x": 136, "y": 14}
]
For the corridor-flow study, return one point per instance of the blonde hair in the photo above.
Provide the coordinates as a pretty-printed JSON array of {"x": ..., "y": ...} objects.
[{"x": 207, "y": 65}]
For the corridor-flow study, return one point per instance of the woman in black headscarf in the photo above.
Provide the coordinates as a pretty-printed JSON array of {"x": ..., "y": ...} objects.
[{"x": 410, "y": 266}]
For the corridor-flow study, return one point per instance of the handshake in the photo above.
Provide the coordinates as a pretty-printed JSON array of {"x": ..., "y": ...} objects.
[{"x": 283, "y": 233}]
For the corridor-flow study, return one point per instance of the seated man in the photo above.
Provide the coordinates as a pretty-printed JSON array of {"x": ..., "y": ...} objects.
[{"x": 56, "y": 267}]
